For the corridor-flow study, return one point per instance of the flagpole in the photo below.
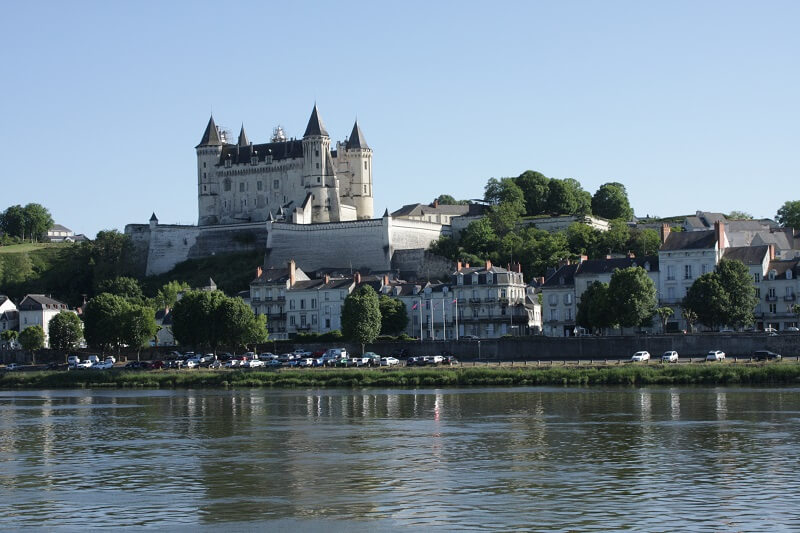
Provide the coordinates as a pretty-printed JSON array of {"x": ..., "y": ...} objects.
[
  {"x": 456, "y": 300},
  {"x": 420, "y": 319},
  {"x": 444, "y": 322},
  {"x": 430, "y": 302}
]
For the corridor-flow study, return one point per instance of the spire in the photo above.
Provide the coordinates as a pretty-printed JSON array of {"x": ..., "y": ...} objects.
[
  {"x": 243, "y": 138},
  {"x": 211, "y": 135},
  {"x": 270, "y": 217},
  {"x": 154, "y": 218},
  {"x": 386, "y": 213},
  {"x": 356, "y": 139},
  {"x": 315, "y": 125}
]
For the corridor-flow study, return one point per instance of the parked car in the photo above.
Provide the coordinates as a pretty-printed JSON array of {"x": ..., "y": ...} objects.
[
  {"x": 132, "y": 365},
  {"x": 766, "y": 355},
  {"x": 254, "y": 363},
  {"x": 792, "y": 329},
  {"x": 233, "y": 363},
  {"x": 468, "y": 338},
  {"x": 389, "y": 361},
  {"x": 434, "y": 360},
  {"x": 373, "y": 359},
  {"x": 274, "y": 363},
  {"x": 104, "y": 365},
  {"x": 84, "y": 364},
  {"x": 670, "y": 357},
  {"x": 94, "y": 359},
  {"x": 305, "y": 362},
  {"x": 73, "y": 360},
  {"x": 450, "y": 360},
  {"x": 191, "y": 363},
  {"x": 12, "y": 366},
  {"x": 111, "y": 358},
  {"x": 414, "y": 361},
  {"x": 638, "y": 357},
  {"x": 715, "y": 355}
]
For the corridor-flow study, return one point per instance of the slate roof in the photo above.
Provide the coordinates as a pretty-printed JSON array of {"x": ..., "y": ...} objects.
[
  {"x": 749, "y": 255},
  {"x": 11, "y": 315},
  {"x": 164, "y": 316},
  {"x": 211, "y": 135},
  {"x": 603, "y": 266},
  {"x": 59, "y": 227},
  {"x": 416, "y": 210},
  {"x": 33, "y": 302},
  {"x": 356, "y": 139},
  {"x": 563, "y": 277},
  {"x": 689, "y": 240},
  {"x": 781, "y": 267},
  {"x": 704, "y": 220},
  {"x": 243, "y": 138},
  {"x": 273, "y": 275},
  {"x": 291, "y": 149},
  {"x": 315, "y": 125}
]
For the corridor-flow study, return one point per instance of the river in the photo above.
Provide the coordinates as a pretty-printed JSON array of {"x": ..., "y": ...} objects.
[{"x": 532, "y": 459}]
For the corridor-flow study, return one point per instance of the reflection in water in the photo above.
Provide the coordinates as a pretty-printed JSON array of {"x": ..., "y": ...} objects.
[{"x": 536, "y": 458}]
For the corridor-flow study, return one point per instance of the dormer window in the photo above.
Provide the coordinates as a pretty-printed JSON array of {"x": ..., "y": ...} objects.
[
  {"x": 647, "y": 266},
  {"x": 561, "y": 280},
  {"x": 254, "y": 159},
  {"x": 460, "y": 279},
  {"x": 228, "y": 162},
  {"x": 772, "y": 274},
  {"x": 489, "y": 278},
  {"x": 788, "y": 274},
  {"x": 475, "y": 279}
]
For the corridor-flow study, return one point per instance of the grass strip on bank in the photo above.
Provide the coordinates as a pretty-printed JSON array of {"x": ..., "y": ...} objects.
[{"x": 710, "y": 374}]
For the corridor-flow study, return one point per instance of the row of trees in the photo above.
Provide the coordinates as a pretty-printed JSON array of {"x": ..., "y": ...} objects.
[
  {"x": 628, "y": 300},
  {"x": 30, "y": 222},
  {"x": 532, "y": 194},
  {"x": 725, "y": 297}
]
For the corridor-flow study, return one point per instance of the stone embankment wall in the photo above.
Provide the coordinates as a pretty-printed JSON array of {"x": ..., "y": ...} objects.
[{"x": 419, "y": 264}]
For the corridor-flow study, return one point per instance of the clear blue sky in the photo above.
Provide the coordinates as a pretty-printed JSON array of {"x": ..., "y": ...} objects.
[{"x": 692, "y": 105}]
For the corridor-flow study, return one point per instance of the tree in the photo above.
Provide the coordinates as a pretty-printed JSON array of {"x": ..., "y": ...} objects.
[
  {"x": 66, "y": 331},
  {"x": 32, "y": 338},
  {"x": 505, "y": 191},
  {"x": 690, "y": 317},
  {"x": 167, "y": 295},
  {"x": 361, "y": 316},
  {"x": 12, "y": 221},
  {"x": 582, "y": 238},
  {"x": 664, "y": 313},
  {"x": 632, "y": 297},
  {"x": 9, "y": 336},
  {"x": 103, "y": 319},
  {"x": 594, "y": 311},
  {"x": 17, "y": 268},
  {"x": 240, "y": 326},
  {"x": 194, "y": 319},
  {"x": 446, "y": 199},
  {"x": 137, "y": 326},
  {"x": 739, "y": 215},
  {"x": 394, "y": 316},
  {"x": 707, "y": 299},
  {"x": 535, "y": 189},
  {"x": 644, "y": 242},
  {"x": 583, "y": 200},
  {"x": 479, "y": 237},
  {"x": 123, "y": 286},
  {"x": 37, "y": 221},
  {"x": 560, "y": 198},
  {"x": 738, "y": 284},
  {"x": 796, "y": 310},
  {"x": 505, "y": 217},
  {"x": 611, "y": 201},
  {"x": 789, "y": 214},
  {"x": 446, "y": 247},
  {"x": 616, "y": 239}
]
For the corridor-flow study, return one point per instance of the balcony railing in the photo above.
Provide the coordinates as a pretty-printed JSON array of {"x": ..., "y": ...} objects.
[
  {"x": 281, "y": 298},
  {"x": 771, "y": 298},
  {"x": 789, "y": 298}
]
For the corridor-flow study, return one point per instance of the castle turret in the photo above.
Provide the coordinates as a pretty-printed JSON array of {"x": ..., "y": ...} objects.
[
  {"x": 208, "y": 153},
  {"x": 319, "y": 177},
  {"x": 359, "y": 156},
  {"x": 243, "y": 138}
]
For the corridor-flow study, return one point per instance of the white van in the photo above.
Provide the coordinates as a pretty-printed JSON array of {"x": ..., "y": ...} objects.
[{"x": 73, "y": 360}]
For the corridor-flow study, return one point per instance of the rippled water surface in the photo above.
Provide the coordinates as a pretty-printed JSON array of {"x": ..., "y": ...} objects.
[{"x": 655, "y": 459}]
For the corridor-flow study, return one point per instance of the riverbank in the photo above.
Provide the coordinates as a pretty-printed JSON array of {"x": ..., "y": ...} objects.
[{"x": 783, "y": 373}]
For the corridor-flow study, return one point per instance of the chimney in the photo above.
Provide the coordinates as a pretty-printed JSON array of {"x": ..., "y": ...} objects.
[
  {"x": 719, "y": 234},
  {"x": 608, "y": 256},
  {"x": 291, "y": 273},
  {"x": 466, "y": 265},
  {"x": 458, "y": 266},
  {"x": 386, "y": 280},
  {"x": 665, "y": 229},
  {"x": 518, "y": 268},
  {"x": 584, "y": 258},
  {"x": 771, "y": 252},
  {"x": 435, "y": 203},
  {"x": 327, "y": 278},
  {"x": 259, "y": 271},
  {"x": 488, "y": 264},
  {"x": 357, "y": 278},
  {"x": 631, "y": 255},
  {"x": 540, "y": 280}
]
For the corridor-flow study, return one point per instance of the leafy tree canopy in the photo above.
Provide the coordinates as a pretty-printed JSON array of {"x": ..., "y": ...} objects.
[
  {"x": 446, "y": 199},
  {"x": 789, "y": 214},
  {"x": 103, "y": 319},
  {"x": 32, "y": 338},
  {"x": 739, "y": 215},
  {"x": 707, "y": 300},
  {"x": 124, "y": 286},
  {"x": 66, "y": 331},
  {"x": 594, "y": 311},
  {"x": 632, "y": 297},
  {"x": 611, "y": 201},
  {"x": 738, "y": 284},
  {"x": 535, "y": 189},
  {"x": 394, "y": 316},
  {"x": 361, "y": 315}
]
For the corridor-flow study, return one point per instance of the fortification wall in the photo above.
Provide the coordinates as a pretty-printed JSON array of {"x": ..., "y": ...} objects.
[
  {"x": 417, "y": 263},
  {"x": 362, "y": 245}
]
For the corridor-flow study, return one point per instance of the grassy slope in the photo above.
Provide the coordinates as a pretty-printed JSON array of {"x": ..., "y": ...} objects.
[
  {"x": 231, "y": 272},
  {"x": 713, "y": 374}
]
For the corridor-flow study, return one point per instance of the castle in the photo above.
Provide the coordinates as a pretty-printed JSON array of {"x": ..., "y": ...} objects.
[
  {"x": 293, "y": 199},
  {"x": 298, "y": 181}
]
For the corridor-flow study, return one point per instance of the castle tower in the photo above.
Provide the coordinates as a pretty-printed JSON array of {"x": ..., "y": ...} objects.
[
  {"x": 319, "y": 177},
  {"x": 359, "y": 156},
  {"x": 208, "y": 153}
]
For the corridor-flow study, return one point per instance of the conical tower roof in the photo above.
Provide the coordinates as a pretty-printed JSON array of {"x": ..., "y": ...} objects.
[
  {"x": 243, "y": 138},
  {"x": 356, "y": 140},
  {"x": 315, "y": 125},
  {"x": 211, "y": 135}
]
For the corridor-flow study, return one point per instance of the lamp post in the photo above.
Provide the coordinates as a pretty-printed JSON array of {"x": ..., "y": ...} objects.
[{"x": 479, "y": 350}]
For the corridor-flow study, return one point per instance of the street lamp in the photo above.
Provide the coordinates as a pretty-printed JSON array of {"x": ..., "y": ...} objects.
[{"x": 479, "y": 350}]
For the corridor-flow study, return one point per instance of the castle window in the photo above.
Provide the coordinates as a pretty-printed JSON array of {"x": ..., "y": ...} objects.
[
  {"x": 254, "y": 160},
  {"x": 317, "y": 165},
  {"x": 204, "y": 175},
  {"x": 365, "y": 165},
  {"x": 316, "y": 153},
  {"x": 241, "y": 187},
  {"x": 226, "y": 185},
  {"x": 228, "y": 162},
  {"x": 204, "y": 188},
  {"x": 365, "y": 189},
  {"x": 204, "y": 164},
  {"x": 318, "y": 178},
  {"x": 260, "y": 185}
]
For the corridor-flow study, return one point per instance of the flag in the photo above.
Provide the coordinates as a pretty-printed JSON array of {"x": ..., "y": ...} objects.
[
  {"x": 454, "y": 300},
  {"x": 413, "y": 307}
]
